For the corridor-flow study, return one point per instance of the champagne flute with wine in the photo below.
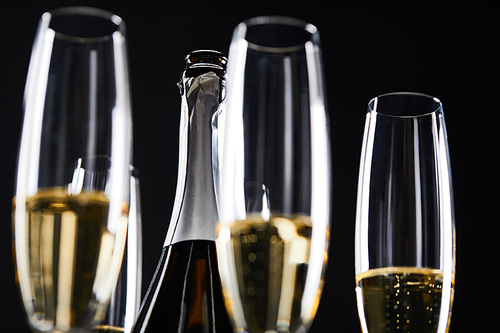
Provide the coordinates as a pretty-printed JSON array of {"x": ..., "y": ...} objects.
[
  {"x": 274, "y": 194},
  {"x": 71, "y": 199},
  {"x": 405, "y": 236},
  {"x": 127, "y": 294}
]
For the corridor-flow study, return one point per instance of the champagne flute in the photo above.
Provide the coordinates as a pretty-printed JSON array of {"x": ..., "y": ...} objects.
[
  {"x": 70, "y": 222},
  {"x": 126, "y": 297},
  {"x": 404, "y": 246},
  {"x": 274, "y": 194}
]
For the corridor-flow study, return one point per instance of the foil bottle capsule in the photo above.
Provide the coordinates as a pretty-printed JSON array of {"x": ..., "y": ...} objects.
[{"x": 202, "y": 89}]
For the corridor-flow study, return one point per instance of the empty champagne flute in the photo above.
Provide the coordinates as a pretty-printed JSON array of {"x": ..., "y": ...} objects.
[
  {"x": 405, "y": 236},
  {"x": 274, "y": 159},
  {"x": 72, "y": 195}
]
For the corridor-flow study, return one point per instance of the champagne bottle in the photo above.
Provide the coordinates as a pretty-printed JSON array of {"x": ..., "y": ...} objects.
[{"x": 185, "y": 293}]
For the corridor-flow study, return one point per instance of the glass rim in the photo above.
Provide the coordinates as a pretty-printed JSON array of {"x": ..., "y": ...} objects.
[
  {"x": 310, "y": 30},
  {"x": 437, "y": 108},
  {"x": 114, "y": 23}
]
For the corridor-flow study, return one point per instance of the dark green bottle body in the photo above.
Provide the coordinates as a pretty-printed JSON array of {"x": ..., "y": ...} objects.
[{"x": 185, "y": 294}]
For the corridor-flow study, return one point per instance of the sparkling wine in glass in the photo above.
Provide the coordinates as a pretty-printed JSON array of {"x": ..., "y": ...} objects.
[
  {"x": 72, "y": 196},
  {"x": 405, "y": 238},
  {"x": 274, "y": 194}
]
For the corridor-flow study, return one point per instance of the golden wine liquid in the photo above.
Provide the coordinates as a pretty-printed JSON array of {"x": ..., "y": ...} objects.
[
  {"x": 107, "y": 329},
  {"x": 265, "y": 282},
  {"x": 402, "y": 299},
  {"x": 66, "y": 258}
]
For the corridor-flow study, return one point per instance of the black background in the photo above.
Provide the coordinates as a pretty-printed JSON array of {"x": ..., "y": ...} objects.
[{"x": 449, "y": 50}]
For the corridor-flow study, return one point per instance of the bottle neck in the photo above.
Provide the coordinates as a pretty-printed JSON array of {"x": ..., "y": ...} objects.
[{"x": 195, "y": 212}]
